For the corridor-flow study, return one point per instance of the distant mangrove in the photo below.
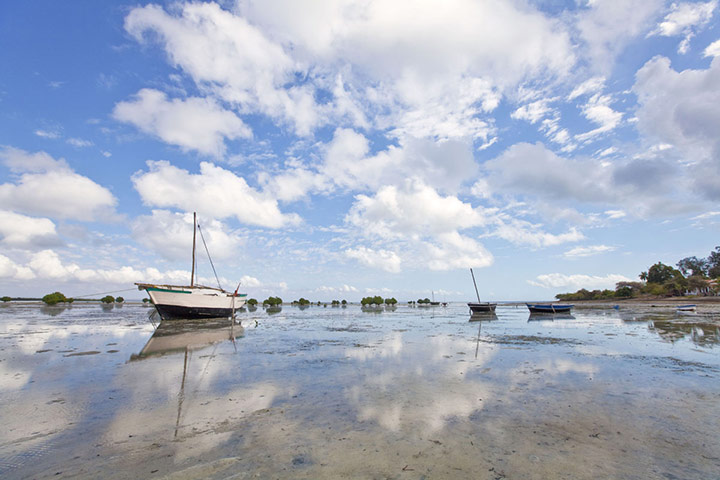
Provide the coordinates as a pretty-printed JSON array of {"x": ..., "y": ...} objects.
[
  {"x": 55, "y": 298},
  {"x": 272, "y": 301},
  {"x": 377, "y": 300}
]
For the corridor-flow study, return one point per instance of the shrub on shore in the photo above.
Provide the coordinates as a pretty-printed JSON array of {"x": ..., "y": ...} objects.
[
  {"x": 55, "y": 298},
  {"x": 108, "y": 299},
  {"x": 272, "y": 301}
]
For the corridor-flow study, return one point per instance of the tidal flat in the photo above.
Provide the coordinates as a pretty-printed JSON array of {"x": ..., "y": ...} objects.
[{"x": 92, "y": 392}]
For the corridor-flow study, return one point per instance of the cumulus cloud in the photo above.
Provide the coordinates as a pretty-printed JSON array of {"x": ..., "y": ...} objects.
[
  {"x": 27, "y": 232},
  {"x": 48, "y": 265},
  {"x": 677, "y": 108},
  {"x": 10, "y": 269},
  {"x": 192, "y": 124},
  {"x": 685, "y": 19},
  {"x": 522, "y": 232},
  {"x": 713, "y": 50},
  {"x": 273, "y": 57},
  {"x": 578, "y": 281},
  {"x": 414, "y": 219},
  {"x": 169, "y": 234},
  {"x": 380, "y": 259},
  {"x": 216, "y": 193},
  {"x": 606, "y": 28},
  {"x": 48, "y": 187},
  {"x": 227, "y": 54},
  {"x": 533, "y": 172},
  {"x": 413, "y": 208}
]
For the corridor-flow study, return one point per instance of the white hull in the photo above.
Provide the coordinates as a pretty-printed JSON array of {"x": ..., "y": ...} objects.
[{"x": 174, "y": 301}]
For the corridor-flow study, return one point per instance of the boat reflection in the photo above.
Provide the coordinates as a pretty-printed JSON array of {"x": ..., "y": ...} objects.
[
  {"x": 484, "y": 316},
  {"x": 537, "y": 317},
  {"x": 173, "y": 336},
  {"x": 700, "y": 333}
]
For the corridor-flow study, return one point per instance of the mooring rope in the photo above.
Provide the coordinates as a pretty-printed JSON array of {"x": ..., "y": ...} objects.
[{"x": 104, "y": 293}]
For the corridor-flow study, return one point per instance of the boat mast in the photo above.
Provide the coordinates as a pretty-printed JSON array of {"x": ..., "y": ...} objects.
[
  {"x": 192, "y": 273},
  {"x": 476, "y": 290}
]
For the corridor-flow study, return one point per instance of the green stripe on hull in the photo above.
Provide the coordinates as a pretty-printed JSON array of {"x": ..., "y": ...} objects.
[{"x": 156, "y": 289}]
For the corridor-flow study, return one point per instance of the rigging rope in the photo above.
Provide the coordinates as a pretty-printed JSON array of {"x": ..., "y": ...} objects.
[
  {"x": 208, "y": 254},
  {"x": 104, "y": 293}
]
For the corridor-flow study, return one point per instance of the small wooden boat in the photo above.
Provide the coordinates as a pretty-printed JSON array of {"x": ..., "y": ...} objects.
[
  {"x": 193, "y": 301},
  {"x": 686, "y": 308},
  {"x": 479, "y": 307},
  {"x": 548, "y": 307}
]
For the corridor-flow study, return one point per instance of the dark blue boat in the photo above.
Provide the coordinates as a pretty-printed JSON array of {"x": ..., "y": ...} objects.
[{"x": 548, "y": 307}]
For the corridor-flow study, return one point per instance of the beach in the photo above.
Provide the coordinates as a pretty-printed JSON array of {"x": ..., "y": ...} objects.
[{"x": 319, "y": 392}]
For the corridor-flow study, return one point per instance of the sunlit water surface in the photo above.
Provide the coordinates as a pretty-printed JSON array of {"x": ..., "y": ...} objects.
[{"x": 341, "y": 392}]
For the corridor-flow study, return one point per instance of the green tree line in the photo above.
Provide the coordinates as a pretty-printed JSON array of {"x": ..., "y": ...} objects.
[{"x": 694, "y": 275}]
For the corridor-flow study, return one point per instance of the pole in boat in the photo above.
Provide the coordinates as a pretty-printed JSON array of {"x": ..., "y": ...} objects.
[
  {"x": 192, "y": 273},
  {"x": 232, "y": 318},
  {"x": 476, "y": 290}
]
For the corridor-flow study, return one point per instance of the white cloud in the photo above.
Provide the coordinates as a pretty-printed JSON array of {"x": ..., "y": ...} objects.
[
  {"x": 52, "y": 189},
  {"x": 607, "y": 27},
  {"x": 578, "y": 281},
  {"x": 192, "y": 124},
  {"x": 79, "y": 142},
  {"x": 47, "y": 265},
  {"x": 452, "y": 250},
  {"x": 433, "y": 77},
  {"x": 417, "y": 222},
  {"x": 340, "y": 289},
  {"x": 52, "y": 134},
  {"x": 443, "y": 165},
  {"x": 685, "y": 19},
  {"x": 532, "y": 112},
  {"x": 588, "y": 251},
  {"x": 413, "y": 208},
  {"x": 678, "y": 108},
  {"x": 216, "y": 193},
  {"x": 598, "y": 111},
  {"x": 27, "y": 232},
  {"x": 533, "y": 169},
  {"x": 20, "y": 161},
  {"x": 590, "y": 86},
  {"x": 170, "y": 235},
  {"x": 713, "y": 50},
  {"x": 534, "y": 173},
  {"x": 381, "y": 259},
  {"x": 226, "y": 54},
  {"x": 347, "y": 164},
  {"x": 522, "y": 232},
  {"x": 10, "y": 269}
]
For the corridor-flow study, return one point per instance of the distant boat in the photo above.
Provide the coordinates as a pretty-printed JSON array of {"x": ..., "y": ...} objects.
[
  {"x": 193, "y": 301},
  {"x": 480, "y": 307},
  {"x": 548, "y": 307},
  {"x": 686, "y": 308},
  {"x": 433, "y": 302}
]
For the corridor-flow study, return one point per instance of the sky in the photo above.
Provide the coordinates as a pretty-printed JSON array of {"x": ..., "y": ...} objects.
[{"x": 334, "y": 150}]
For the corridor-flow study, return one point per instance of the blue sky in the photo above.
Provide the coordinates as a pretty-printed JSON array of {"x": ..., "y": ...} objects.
[{"x": 361, "y": 147}]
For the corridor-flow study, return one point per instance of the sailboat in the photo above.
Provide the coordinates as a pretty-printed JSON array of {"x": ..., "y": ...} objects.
[
  {"x": 480, "y": 307},
  {"x": 193, "y": 301}
]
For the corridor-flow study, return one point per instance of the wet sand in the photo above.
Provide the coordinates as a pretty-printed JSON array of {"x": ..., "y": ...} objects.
[{"x": 341, "y": 393}]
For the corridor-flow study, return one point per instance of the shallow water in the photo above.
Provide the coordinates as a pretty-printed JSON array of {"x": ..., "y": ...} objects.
[{"x": 334, "y": 392}]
